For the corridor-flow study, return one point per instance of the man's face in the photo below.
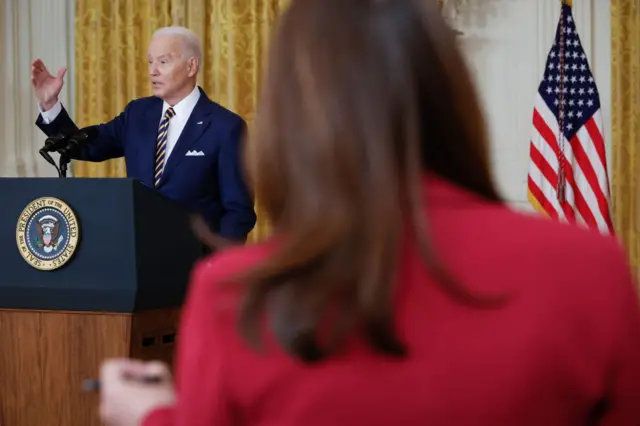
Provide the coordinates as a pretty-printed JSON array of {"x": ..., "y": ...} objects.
[{"x": 171, "y": 75}]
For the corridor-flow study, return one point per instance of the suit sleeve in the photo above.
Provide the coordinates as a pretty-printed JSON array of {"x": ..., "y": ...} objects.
[
  {"x": 200, "y": 381},
  {"x": 239, "y": 217},
  {"x": 622, "y": 404},
  {"x": 108, "y": 143}
]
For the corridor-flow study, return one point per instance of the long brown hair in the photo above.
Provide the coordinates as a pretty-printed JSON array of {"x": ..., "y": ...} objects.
[{"x": 361, "y": 98}]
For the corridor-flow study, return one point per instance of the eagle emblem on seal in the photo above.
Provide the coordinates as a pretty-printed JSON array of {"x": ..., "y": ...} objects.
[{"x": 48, "y": 238}]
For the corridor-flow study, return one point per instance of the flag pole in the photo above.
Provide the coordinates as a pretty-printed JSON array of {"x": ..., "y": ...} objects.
[{"x": 560, "y": 188}]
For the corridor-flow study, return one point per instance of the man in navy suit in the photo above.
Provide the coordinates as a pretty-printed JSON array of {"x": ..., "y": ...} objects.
[{"x": 178, "y": 141}]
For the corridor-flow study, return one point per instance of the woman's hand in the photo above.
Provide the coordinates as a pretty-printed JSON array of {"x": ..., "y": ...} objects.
[{"x": 130, "y": 390}]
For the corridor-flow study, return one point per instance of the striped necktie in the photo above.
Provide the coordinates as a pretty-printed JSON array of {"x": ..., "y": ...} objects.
[{"x": 161, "y": 146}]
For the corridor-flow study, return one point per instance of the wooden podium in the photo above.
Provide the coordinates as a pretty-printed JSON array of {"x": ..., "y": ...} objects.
[{"x": 112, "y": 287}]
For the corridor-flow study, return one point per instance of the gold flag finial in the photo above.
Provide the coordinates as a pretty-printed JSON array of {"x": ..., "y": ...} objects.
[{"x": 567, "y": 2}]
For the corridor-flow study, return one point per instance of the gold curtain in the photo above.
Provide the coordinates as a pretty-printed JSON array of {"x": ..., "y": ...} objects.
[
  {"x": 111, "y": 68},
  {"x": 625, "y": 70}
]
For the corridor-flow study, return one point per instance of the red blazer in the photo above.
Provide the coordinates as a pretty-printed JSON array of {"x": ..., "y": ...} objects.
[{"x": 566, "y": 350}]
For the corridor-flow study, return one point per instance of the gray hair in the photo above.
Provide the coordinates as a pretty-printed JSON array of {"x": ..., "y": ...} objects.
[{"x": 191, "y": 45}]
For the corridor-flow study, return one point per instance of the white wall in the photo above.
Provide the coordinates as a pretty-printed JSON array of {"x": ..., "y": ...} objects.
[
  {"x": 31, "y": 29},
  {"x": 506, "y": 43}
]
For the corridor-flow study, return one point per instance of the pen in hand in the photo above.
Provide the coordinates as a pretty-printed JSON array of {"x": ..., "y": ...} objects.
[{"x": 93, "y": 385}]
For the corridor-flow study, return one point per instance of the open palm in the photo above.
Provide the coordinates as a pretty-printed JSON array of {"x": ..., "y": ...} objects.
[{"x": 46, "y": 86}]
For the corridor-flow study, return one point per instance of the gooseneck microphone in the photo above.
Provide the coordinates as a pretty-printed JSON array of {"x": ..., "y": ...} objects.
[
  {"x": 66, "y": 144},
  {"x": 74, "y": 143},
  {"x": 53, "y": 143}
]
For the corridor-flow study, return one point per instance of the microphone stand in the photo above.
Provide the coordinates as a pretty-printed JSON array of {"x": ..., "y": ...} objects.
[
  {"x": 64, "y": 163},
  {"x": 72, "y": 143}
]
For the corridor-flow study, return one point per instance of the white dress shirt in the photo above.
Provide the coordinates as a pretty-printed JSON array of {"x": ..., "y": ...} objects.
[{"x": 182, "y": 109}]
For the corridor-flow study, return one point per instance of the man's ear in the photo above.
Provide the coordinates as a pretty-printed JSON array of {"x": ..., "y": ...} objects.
[{"x": 193, "y": 66}]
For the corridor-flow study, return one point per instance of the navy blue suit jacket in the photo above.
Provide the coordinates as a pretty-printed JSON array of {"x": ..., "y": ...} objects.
[{"x": 212, "y": 185}]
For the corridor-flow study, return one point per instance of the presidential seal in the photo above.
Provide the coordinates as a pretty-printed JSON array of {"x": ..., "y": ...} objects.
[{"x": 47, "y": 233}]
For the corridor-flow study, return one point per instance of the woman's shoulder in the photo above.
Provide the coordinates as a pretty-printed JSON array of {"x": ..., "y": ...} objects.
[
  {"x": 214, "y": 277},
  {"x": 224, "y": 263}
]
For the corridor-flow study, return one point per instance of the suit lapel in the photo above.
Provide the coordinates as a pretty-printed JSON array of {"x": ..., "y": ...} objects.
[
  {"x": 149, "y": 141},
  {"x": 197, "y": 124}
]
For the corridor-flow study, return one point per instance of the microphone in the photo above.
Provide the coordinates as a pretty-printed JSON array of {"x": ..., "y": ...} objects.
[
  {"x": 54, "y": 143},
  {"x": 75, "y": 142}
]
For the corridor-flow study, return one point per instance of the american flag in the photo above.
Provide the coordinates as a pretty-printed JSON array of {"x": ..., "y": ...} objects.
[{"x": 568, "y": 178}]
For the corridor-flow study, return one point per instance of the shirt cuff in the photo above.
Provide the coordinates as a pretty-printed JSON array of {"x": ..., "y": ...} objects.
[
  {"x": 49, "y": 116},
  {"x": 159, "y": 417}
]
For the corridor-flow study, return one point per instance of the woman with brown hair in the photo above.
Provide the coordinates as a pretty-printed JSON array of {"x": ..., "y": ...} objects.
[{"x": 398, "y": 289}]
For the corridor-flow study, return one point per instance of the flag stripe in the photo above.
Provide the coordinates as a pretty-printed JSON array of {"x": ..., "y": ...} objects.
[
  {"x": 548, "y": 177},
  {"x": 587, "y": 164},
  {"x": 598, "y": 143},
  {"x": 587, "y": 199},
  {"x": 577, "y": 199},
  {"x": 540, "y": 201},
  {"x": 567, "y": 211}
]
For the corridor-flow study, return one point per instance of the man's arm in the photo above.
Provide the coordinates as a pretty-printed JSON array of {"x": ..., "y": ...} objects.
[
  {"x": 107, "y": 144},
  {"x": 239, "y": 217}
]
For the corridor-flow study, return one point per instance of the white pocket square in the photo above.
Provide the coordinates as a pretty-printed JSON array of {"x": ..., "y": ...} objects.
[{"x": 194, "y": 154}]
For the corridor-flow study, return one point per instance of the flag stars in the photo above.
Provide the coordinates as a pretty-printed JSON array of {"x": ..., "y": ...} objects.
[{"x": 567, "y": 85}]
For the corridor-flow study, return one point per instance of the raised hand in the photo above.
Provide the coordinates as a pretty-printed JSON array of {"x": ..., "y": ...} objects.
[{"x": 46, "y": 86}]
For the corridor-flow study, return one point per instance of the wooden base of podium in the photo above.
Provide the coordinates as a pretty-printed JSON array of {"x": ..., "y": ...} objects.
[{"x": 45, "y": 356}]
